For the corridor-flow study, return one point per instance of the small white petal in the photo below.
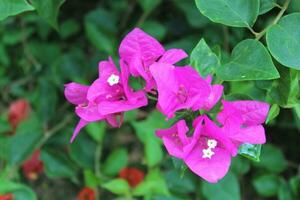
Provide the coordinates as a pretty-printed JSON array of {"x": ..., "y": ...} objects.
[
  {"x": 207, "y": 153},
  {"x": 113, "y": 79},
  {"x": 211, "y": 143}
]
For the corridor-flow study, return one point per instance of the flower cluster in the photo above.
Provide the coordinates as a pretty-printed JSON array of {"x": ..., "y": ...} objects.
[{"x": 208, "y": 150}]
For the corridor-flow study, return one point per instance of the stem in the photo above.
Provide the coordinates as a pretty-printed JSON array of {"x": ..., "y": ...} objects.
[
  {"x": 151, "y": 97},
  {"x": 283, "y": 9},
  {"x": 98, "y": 155}
]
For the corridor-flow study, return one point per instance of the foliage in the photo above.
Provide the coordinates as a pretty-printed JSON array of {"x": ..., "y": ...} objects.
[{"x": 45, "y": 44}]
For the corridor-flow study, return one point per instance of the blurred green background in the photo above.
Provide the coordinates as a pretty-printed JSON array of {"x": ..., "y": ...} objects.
[{"x": 38, "y": 56}]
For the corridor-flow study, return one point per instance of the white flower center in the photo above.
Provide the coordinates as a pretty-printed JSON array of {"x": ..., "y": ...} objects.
[
  {"x": 207, "y": 153},
  {"x": 211, "y": 143},
  {"x": 113, "y": 79}
]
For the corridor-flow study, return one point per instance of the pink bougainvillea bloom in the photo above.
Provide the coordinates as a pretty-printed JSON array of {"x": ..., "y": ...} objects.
[
  {"x": 211, "y": 154},
  {"x": 179, "y": 88},
  {"x": 175, "y": 139},
  {"x": 242, "y": 121},
  {"x": 139, "y": 50},
  {"x": 214, "y": 96},
  {"x": 111, "y": 91}
]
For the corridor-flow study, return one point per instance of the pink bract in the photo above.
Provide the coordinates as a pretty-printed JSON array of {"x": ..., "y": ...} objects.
[
  {"x": 139, "y": 50},
  {"x": 179, "y": 88}
]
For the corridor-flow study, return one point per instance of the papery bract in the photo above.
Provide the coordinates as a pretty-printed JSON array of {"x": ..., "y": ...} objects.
[
  {"x": 133, "y": 176},
  {"x": 175, "y": 139},
  {"x": 18, "y": 112},
  {"x": 86, "y": 194},
  {"x": 139, "y": 50},
  {"x": 179, "y": 88},
  {"x": 33, "y": 166},
  {"x": 214, "y": 95}
]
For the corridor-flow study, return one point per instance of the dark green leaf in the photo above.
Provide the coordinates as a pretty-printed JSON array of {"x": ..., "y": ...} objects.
[
  {"x": 149, "y": 5},
  {"x": 266, "y": 5},
  {"x": 227, "y": 188},
  {"x": 249, "y": 61},
  {"x": 283, "y": 40},
  {"x": 284, "y": 192},
  {"x": 273, "y": 113},
  {"x": 203, "y": 59},
  {"x": 48, "y": 10},
  {"x": 238, "y": 13},
  {"x": 266, "y": 185},
  {"x": 272, "y": 159},
  {"x": 57, "y": 165}
]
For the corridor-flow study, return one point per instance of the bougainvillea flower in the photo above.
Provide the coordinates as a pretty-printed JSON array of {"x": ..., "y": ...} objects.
[
  {"x": 179, "y": 88},
  {"x": 33, "y": 166},
  {"x": 87, "y": 111},
  {"x": 86, "y": 194},
  {"x": 18, "y": 112},
  {"x": 211, "y": 154},
  {"x": 111, "y": 91},
  {"x": 242, "y": 120},
  {"x": 7, "y": 196},
  {"x": 214, "y": 95},
  {"x": 175, "y": 139},
  {"x": 139, "y": 50},
  {"x": 133, "y": 176}
]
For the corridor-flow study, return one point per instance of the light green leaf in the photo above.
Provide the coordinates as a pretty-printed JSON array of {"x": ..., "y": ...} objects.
[
  {"x": 96, "y": 130},
  {"x": 283, "y": 40},
  {"x": 117, "y": 160},
  {"x": 20, "y": 191},
  {"x": 249, "y": 60},
  {"x": 272, "y": 159},
  {"x": 154, "y": 183},
  {"x": 227, "y": 188},
  {"x": 117, "y": 186},
  {"x": 273, "y": 113},
  {"x": 90, "y": 179},
  {"x": 266, "y": 185},
  {"x": 13, "y": 7},
  {"x": 237, "y": 13},
  {"x": 251, "y": 151},
  {"x": 48, "y": 10},
  {"x": 266, "y": 5},
  {"x": 203, "y": 59}
]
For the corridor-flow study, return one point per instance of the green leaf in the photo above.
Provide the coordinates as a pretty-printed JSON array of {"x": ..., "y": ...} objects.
[
  {"x": 57, "y": 165},
  {"x": 117, "y": 186},
  {"x": 145, "y": 131},
  {"x": 96, "y": 130},
  {"x": 149, "y": 5},
  {"x": 285, "y": 91},
  {"x": 117, "y": 160},
  {"x": 13, "y": 7},
  {"x": 238, "y": 13},
  {"x": 25, "y": 141},
  {"x": 193, "y": 16},
  {"x": 19, "y": 191},
  {"x": 272, "y": 159},
  {"x": 266, "y": 6},
  {"x": 251, "y": 151},
  {"x": 203, "y": 59},
  {"x": 155, "y": 29},
  {"x": 249, "y": 60},
  {"x": 283, "y": 40},
  {"x": 90, "y": 179},
  {"x": 266, "y": 185},
  {"x": 154, "y": 183},
  {"x": 82, "y": 151},
  {"x": 179, "y": 184},
  {"x": 227, "y": 188},
  {"x": 295, "y": 185},
  {"x": 48, "y": 10},
  {"x": 240, "y": 165},
  {"x": 284, "y": 192},
  {"x": 273, "y": 113}
]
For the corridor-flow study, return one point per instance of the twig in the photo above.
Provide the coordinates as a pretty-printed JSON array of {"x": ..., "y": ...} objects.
[{"x": 283, "y": 9}]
